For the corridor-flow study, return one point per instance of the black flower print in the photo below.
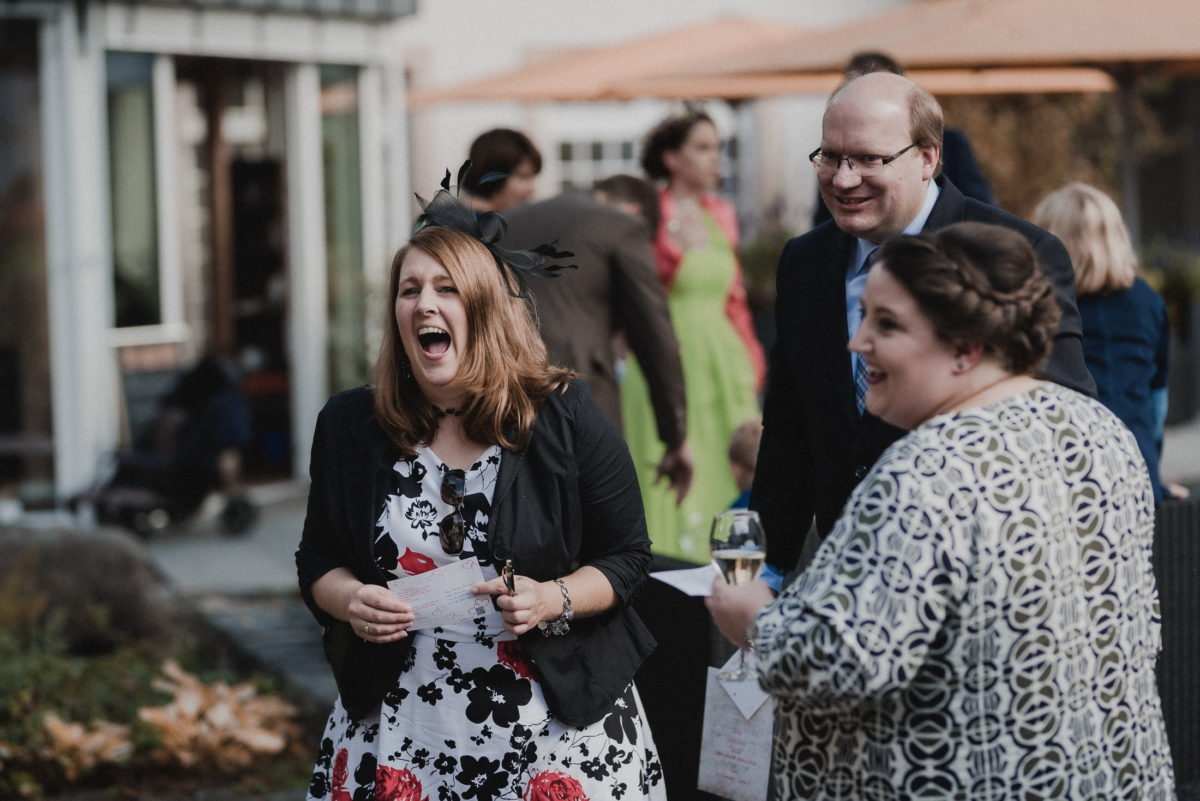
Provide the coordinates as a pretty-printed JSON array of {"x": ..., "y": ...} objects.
[
  {"x": 325, "y": 755},
  {"x": 420, "y": 757},
  {"x": 458, "y": 680},
  {"x": 445, "y": 764},
  {"x": 622, "y": 724},
  {"x": 409, "y": 475},
  {"x": 497, "y": 694},
  {"x": 484, "y": 778},
  {"x": 422, "y": 515},
  {"x": 364, "y": 772},
  {"x": 395, "y": 697},
  {"x": 318, "y": 786},
  {"x": 520, "y": 737},
  {"x": 429, "y": 693},
  {"x": 447, "y": 794},
  {"x": 444, "y": 657},
  {"x": 653, "y": 774},
  {"x": 616, "y": 757},
  {"x": 386, "y": 555},
  {"x": 594, "y": 768}
]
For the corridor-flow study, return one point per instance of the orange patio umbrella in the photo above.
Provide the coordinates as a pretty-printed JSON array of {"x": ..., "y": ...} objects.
[
  {"x": 929, "y": 34},
  {"x": 597, "y": 73},
  {"x": 707, "y": 60}
]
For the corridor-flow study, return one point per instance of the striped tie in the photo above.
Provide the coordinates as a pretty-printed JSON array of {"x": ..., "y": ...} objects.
[{"x": 858, "y": 362}]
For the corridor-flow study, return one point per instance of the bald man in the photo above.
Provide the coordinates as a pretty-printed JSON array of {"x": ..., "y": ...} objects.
[{"x": 878, "y": 170}]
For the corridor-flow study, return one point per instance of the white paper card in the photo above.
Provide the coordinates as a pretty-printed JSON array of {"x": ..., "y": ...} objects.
[
  {"x": 735, "y": 753},
  {"x": 695, "y": 581},
  {"x": 746, "y": 695},
  {"x": 440, "y": 598}
]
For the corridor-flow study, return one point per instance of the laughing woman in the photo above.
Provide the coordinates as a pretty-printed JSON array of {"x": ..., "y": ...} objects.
[
  {"x": 471, "y": 445},
  {"x": 982, "y": 620}
]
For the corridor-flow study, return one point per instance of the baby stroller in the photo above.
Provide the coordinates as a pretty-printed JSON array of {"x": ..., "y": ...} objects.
[{"x": 190, "y": 449}]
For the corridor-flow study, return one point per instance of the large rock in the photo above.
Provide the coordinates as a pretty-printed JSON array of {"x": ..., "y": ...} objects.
[{"x": 96, "y": 583}]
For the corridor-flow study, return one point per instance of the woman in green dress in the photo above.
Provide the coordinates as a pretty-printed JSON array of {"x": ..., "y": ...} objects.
[{"x": 723, "y": 363}]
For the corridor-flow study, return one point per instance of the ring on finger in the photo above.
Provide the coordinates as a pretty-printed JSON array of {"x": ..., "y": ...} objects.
[{"x": 367, "y": 628}]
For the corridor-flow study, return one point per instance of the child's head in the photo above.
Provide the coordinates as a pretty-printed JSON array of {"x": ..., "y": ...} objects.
[{"x": 743, "y": 452}]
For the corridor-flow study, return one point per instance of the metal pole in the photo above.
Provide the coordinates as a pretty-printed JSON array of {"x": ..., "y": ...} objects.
[{"x": 1127, "y": 157}]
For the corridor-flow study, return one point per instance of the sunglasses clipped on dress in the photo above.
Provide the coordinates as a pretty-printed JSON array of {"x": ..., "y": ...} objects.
[{"x": 452, "y": 530}]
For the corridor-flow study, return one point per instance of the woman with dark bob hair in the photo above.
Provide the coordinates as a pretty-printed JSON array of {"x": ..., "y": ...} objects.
[
  {"x": 982, "y": 621},
  {"x": 472, "y": 455},
  {"x": 695, "y": 246}
]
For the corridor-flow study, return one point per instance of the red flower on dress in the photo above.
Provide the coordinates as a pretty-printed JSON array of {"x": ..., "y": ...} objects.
[
  {"x": 393, "y": 784},
  {"x": 340, "y": 772},
  {"x": 551, "y": 786},
  {"x": 414, "y": 563},
  {"x": 510, "y": 654}
]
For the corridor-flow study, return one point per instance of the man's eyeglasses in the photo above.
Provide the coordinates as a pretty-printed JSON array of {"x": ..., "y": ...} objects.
[
  {"x": 453, "y": 529},
  {"x": 830, "y": 163}
]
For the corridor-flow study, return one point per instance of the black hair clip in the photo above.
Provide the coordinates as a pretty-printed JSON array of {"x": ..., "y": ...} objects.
[{"x": 447, "y": 211}]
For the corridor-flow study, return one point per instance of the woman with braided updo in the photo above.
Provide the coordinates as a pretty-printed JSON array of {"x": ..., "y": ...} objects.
[{"x": 982, "y": 620}]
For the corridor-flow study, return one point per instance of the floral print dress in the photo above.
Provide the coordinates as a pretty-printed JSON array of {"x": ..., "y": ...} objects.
[{"x": 467, "y": 720}]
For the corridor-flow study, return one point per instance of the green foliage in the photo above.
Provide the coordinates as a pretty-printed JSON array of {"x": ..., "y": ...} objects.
[
  {"x": 38, "y": 676},
  {"x": 41, "y": 676},
  {"x": 760, "y": 258},
  {"x": 1174, "y": 270}
]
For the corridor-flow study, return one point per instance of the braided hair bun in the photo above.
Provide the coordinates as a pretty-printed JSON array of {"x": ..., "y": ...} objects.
[{"x": 979, "y": 283}]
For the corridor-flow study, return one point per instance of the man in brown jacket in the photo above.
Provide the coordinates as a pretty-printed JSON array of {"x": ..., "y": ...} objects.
[{"x": 616, "y": 288}]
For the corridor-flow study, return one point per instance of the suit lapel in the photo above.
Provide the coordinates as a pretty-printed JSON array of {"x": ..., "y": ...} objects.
[{"x": 948, "y": 208}]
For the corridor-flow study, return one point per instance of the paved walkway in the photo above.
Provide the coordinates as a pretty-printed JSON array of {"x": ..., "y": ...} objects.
[
  {"x": 1181, "y": 453},
  {"x": 244, "y": 589}
]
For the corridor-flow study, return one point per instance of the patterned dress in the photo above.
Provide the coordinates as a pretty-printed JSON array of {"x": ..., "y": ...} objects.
[
  {"x": 467, "y": 720},
  {"x": 982, "y": 621}
]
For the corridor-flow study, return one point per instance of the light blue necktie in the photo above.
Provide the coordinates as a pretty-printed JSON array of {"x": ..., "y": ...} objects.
[{"x": 859, "y": 363}]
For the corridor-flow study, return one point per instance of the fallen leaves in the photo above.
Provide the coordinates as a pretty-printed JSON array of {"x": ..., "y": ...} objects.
[
  {"x": 214, "y": 726},
  {"x": 217, "y": 725},
  {"x": 80, "y": 749}
]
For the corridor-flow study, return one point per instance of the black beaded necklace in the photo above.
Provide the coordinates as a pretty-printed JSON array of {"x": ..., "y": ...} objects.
[{"x": 440, "y": 412}]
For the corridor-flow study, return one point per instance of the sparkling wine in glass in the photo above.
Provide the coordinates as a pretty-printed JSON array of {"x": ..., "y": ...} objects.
[{"x": 738, "y": 549}]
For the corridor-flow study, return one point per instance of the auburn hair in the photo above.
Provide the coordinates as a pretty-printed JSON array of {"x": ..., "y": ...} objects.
[
  {"x": 979, "y": 283},
  {"x": 504, "y": 364}
]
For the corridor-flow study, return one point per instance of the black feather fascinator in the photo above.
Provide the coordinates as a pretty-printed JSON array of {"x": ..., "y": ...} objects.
[{"x": 447, "y": 211}]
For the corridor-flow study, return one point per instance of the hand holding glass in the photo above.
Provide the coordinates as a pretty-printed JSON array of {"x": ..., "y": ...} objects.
[{"x": 738, "y": 550}]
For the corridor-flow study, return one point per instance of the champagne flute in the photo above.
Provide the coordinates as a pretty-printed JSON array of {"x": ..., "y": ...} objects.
[{"x": 738, "y": 550}]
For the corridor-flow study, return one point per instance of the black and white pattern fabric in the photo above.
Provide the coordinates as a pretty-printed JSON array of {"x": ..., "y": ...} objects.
[
  {"x": 467, "y": 720},
  {"x": 982, "y": 622}
]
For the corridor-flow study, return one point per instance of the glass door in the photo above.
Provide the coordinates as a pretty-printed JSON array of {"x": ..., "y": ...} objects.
[{"x": 26, "y": 431}]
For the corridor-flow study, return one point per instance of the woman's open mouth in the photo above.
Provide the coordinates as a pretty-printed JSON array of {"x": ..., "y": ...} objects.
[{"x": 433, "y": 341}]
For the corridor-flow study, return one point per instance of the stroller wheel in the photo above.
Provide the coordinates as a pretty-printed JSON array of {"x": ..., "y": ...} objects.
[
  {"x": 238, "y": 515},
  {"x": 146, "y": 524}
]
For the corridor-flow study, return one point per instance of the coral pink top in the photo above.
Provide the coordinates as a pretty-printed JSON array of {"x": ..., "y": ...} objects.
[{"x": 669, "y": 257}]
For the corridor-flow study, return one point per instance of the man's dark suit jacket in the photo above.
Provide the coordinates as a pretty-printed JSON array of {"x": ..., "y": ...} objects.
[
  {"x": 815, "y": 447},
  {"x": 616, "y": 287}
]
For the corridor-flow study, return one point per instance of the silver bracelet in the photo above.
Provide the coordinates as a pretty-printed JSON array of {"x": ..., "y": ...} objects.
[{"x": 561, "y": 624}]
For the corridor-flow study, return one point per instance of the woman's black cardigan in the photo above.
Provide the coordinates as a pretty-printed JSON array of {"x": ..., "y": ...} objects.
[{"x": 569, "y": 498}]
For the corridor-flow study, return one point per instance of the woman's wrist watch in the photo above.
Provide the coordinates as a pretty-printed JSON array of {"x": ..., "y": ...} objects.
[{"x": 561, "y": 624}]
